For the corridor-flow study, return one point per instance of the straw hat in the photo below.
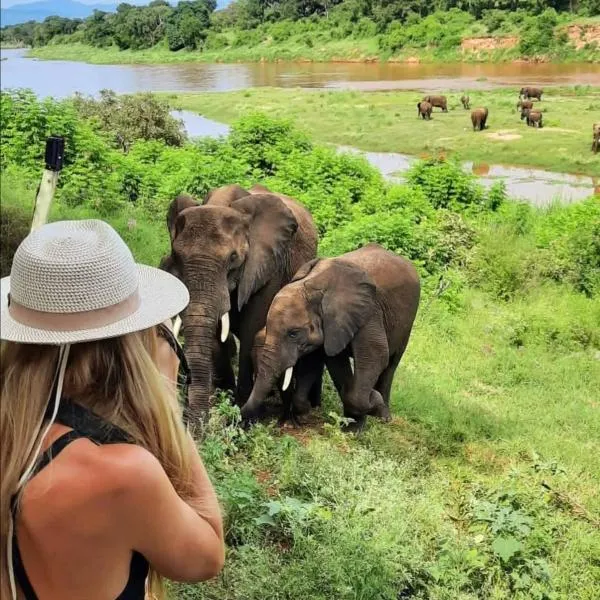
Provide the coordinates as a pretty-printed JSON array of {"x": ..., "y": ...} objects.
[{"x": 77, "y": 281}]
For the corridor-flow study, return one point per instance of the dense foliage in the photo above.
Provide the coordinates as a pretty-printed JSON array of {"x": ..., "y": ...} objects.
[
  {"x": 485, "y": 483},
  {"x": 193, "y": 24}
]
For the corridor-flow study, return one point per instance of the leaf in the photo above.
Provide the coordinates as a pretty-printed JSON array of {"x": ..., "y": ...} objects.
[
  {"x": 506, "y": 547},
  {"x": 265, "y": 520}
]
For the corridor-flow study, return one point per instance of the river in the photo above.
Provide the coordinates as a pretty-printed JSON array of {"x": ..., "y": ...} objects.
[{"x": 63, "y": 78}]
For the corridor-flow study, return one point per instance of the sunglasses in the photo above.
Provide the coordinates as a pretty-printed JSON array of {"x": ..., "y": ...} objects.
[{"x": 184, "y": 376}]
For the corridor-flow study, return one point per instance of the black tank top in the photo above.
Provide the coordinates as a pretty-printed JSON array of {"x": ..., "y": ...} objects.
[{"x": 85, "y": 425}]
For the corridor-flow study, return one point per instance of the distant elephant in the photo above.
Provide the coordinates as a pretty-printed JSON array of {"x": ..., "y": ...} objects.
[
  {"x": 234, "y": 253},
  {"x": 424, "y": 110},
  {"x": 596, "y": 137},
  {"x": 439, "y": 101},
  {"x": 521, "y": 104},
  {"x": 533, "y": 118},
  {"x": 479, "y": 118},
  {"x": 361, "y": 305},
  {"x": 466, "y": 102},
  {"x": 301, "y": 392},
  {"x": 531, "y": 92}
]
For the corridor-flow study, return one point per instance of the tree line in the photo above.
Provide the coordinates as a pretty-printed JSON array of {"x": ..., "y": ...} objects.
[{"x": 194, "y": 24}]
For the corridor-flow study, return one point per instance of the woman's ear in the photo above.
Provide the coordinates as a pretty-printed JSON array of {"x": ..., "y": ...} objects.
[
  {"x": 345, "y": 295},
  {"x": 272, "y": 226}
]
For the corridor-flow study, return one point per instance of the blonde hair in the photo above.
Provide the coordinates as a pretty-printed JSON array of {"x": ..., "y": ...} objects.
[{"x": 118, "y": 380}]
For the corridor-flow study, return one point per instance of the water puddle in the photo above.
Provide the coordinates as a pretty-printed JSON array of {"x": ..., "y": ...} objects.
[{"x": 535, "y": 186}]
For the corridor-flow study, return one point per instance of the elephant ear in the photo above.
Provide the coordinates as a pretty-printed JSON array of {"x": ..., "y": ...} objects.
[
  {"x": 305, "y": 269},
  {"x": 347, "y": 300},
  {"x": 272, "y": 226},
  {"x": 180, "y": 203}
]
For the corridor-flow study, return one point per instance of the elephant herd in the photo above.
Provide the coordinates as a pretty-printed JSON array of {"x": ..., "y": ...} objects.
[
  {"x": 249, "y": 260},
  {"x": 479, "y": 115}
]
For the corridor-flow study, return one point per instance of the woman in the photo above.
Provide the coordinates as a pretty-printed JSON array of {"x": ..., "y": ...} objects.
[{"x": 103, "y": 492}]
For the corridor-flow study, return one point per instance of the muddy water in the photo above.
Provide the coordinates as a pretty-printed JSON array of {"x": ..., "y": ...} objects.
[
  {"x": 63, "y": 78},
  {"x": 535, "y": 186},
  {"x": 538, "y": 187}
]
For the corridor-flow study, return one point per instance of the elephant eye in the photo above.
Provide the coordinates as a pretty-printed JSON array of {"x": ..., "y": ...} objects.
[
  {"x": 293, "y": 334},
  {"x": 233, "y": 257}
]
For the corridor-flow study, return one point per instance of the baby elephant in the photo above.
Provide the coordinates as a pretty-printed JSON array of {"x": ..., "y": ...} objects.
[
  {"x": 466, "y": 102},
  {"x": 522, "y": 104},
  {"x": 596, "y": 138},
  {"x": 424, "y": 110},
  {"x": 533, "y": 118},
  {"x": 361, "y": 305},
  {"x": 479, "y": 118}
]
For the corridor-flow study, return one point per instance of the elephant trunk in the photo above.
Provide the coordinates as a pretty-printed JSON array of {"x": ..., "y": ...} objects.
[
  {"x": 208, "y": 307},
  {"x": 268, "y": 371}
]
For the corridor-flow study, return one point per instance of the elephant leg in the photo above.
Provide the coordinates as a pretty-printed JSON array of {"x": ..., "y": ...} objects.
[
  {"x": 223, "y": 354},
  {"x": 384, "y": 383},
  {"x": 371, "y": 357}
]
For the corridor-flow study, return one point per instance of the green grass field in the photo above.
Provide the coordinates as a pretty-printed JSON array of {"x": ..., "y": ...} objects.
[
  {"x": 387, "y": 122},
  {"x": 484, "y": 486}
]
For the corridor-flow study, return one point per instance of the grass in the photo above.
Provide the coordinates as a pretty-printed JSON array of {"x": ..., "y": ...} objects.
[
  {"x": 387, "y": 122},
  {"x": 485, "y": 484}
]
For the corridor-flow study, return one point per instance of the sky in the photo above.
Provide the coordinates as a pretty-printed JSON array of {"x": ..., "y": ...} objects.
[{"x": 8, "y": 3}]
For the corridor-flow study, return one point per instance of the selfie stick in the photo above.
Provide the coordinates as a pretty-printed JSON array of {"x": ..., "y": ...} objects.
[{"x": 55, "y": 148}]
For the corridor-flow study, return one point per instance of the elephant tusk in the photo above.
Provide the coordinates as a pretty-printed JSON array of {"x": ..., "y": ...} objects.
[
  {"x": 177, "y": 326},
  {"x": 224, "y": 327},
  {"x": 287, "y": 378},
  {"x": 352, "y": 365}
]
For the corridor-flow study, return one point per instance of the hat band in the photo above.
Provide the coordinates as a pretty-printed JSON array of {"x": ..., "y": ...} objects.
[{"x": 76, "y": 321}]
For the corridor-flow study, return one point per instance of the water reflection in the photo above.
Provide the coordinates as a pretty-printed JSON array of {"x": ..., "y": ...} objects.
[{"x": 62, "y": 78}]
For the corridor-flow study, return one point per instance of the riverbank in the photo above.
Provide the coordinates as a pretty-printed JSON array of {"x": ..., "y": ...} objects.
[
  {"x": 387, "y": 122},
  {"x": 231, "y": 46}
]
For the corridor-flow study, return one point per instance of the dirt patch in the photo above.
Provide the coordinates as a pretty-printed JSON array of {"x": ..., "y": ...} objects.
[
  {"x": 580, "y": 35},
  {"x": 503, "y": 136},
  {"x": 487, "y": 44}
]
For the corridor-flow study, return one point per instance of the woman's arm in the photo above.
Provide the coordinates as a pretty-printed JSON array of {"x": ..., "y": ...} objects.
[{"x": 182, "y": 540}]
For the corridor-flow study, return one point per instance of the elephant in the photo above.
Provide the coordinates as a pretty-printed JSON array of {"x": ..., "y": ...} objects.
[
  {"x": 358, "y": 306},
  {"x": 466, "y": 102},
  {"x": 533, "y": 118},
  {"x": 595, "y": 137},
  {"x": 439, "y": 101},
  {"x": 531, "y": 92},
  {"x": 233, "y": 253},
  {"x": 521, "y": 104},
  {"x": 424, "y": 110},
  {"x": 479, "y": 118},
  {"x": 303, "y": 392}
]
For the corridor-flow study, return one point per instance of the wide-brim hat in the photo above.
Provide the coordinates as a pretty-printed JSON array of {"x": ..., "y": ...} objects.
[{"x": 77, "y": 281}]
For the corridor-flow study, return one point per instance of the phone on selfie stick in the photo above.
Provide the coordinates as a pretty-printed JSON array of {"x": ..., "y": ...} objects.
[{"x": 55, "y": 150}]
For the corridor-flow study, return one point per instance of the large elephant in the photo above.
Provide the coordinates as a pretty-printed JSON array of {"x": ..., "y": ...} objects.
[
  {"x": 302, "y": 390},
  {"x": 479, "y": 118},
  {"x": 439, "y": 101},
  {"x": 595, "y": 137},
  {"x": 424, "y": 110},
  {"x": 533, "y": 118},
  {"x": 528, "y": 92},
  {"x": 361, "y": 305},
  {"x": 234, "y": 253}
]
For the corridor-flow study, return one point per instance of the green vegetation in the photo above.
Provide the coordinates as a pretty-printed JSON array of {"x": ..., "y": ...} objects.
[
  {"x": 343, "y": 30},
  {"x": 484, "y": 486},
  {"x": 387, "y": 122}
]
